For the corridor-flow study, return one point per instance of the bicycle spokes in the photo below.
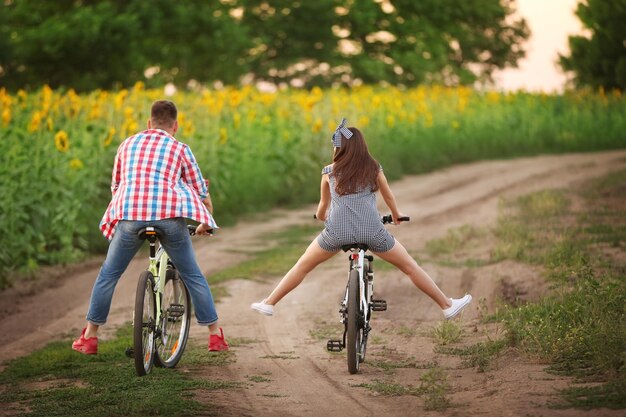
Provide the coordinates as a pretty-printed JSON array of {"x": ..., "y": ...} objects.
[{"x": 175, "y": 320}]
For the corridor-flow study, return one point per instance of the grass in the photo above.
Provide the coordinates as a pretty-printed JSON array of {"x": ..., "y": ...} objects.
[
  {"x": 532, "y": 233},
  {"x": 580, "y": 327},
  {"x": 455, "y": 241},
  {"x": 273, "y": 261},
  {"x": 447, "y": 332},
  {"x": 389, "y": 388},
  {"x": 456, "y": 248},
  {"x": 479, "y": 355},
  {"x": 404, "y": 331},
  {"x": 285, "y": 356},
  {"x": 258, "y": 378},
  {"x": 241, "y": 341},
  {"x": 198, "y": 355},
  {"x": 324, "y": 330},
  {"x": 434, "y": 388},
  {"x": 611, "y": 395},
  {"x": 56, "y": 381},
  {"x": 391, "y": 365}
]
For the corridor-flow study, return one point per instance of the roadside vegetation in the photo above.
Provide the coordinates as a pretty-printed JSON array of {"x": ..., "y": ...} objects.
[
  {"x": 578, "y": 239},
  {"x": 283, "y": 250},
  {"x": 55, "y": 381},
  {"x": 259, "y": 149}
]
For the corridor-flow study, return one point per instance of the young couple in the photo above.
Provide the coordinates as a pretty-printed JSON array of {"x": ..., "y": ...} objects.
[{"x": 153, "y": 162}]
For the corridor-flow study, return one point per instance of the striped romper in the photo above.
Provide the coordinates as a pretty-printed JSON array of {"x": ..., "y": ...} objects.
[{"x": 353, "y": 218}]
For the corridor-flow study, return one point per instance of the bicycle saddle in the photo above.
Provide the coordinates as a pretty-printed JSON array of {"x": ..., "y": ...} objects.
[
  {"x": 363, "y": 246},
  {"x": 144, "y": 232}
]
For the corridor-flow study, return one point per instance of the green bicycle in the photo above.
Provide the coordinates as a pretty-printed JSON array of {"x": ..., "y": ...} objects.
[{"x": 162, "y": 312}]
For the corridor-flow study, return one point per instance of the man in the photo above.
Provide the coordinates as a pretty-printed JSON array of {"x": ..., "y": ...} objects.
[{"x": 156, "y": 182}]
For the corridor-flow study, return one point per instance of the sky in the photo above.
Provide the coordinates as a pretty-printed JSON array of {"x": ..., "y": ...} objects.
[{"x": 551, "y": 22}]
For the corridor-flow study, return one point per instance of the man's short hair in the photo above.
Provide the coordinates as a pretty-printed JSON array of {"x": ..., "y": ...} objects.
[{"x": 163, "y": 113}]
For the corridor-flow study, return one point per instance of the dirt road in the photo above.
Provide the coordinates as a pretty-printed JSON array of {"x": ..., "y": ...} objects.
[{"x": 285, "y": 369}]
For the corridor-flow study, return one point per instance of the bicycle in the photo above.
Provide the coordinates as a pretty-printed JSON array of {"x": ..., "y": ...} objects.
[
  {"x": 358, "y": 303},
  {"x": 162, "y": 313}
]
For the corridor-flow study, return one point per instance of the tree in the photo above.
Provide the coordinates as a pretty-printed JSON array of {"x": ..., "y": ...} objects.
[
  {"x": 88, "y": 44},
  {"x": 399, "y": 42},
  {"x": 291, "y": 39},
  {"x": 60, "y": 43},
  {"x": 600, "y": 59}
]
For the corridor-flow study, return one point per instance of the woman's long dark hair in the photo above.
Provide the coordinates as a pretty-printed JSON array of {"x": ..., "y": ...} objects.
[{"x": 354, "y": 168}]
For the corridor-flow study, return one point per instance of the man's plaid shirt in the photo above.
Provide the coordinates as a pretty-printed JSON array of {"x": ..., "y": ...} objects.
[{"x": 155, "y": 177}]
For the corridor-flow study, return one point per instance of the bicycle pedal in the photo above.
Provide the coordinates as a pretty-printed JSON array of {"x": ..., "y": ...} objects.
[
  {"x": 334, "y": 345},
  {"x": 130, "y": 352},
  {"x": 176, "y": 310},
  {"x": 379, "y": 305}
]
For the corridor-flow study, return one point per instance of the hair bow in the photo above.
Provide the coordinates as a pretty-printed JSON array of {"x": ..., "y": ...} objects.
[{"x": 341, "y": 130}]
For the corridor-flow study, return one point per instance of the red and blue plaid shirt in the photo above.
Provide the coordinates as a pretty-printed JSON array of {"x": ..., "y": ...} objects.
[{"x": 155, "y": 177}]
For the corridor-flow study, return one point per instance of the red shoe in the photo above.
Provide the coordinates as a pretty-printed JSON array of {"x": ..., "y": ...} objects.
[
  {"x": 86, "y": 346},
  {"x": 217, "y": 343}
]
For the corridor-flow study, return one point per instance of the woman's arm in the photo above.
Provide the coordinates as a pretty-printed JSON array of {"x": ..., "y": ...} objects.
[
  {"x": 322, "y": 207},
  {"x": 388, "y": 197}
]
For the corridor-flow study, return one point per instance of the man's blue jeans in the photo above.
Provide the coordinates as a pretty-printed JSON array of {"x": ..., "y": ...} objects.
[{"x": 122, "y": 249}]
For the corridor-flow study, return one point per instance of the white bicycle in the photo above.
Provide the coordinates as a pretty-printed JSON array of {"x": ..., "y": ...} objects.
[{"x": 358, "y": 303}]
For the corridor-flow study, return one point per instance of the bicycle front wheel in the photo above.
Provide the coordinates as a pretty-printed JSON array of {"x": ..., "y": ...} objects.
[
  {"x": 355, "y": 323},
  {"x": 144, "y": 324},
  {"x": 175, "y": 320}
]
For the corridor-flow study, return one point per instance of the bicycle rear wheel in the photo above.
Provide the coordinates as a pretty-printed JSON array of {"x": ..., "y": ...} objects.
[
  {"x": 144, "y": 324},
  {"x": 355, "y": 323},
  {"x": 175, "y": 320}
]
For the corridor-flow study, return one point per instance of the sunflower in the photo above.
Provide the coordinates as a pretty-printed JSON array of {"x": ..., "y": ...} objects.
[
  {"x": 109, "y": 138},
  {"x": 76, "y": 164},
  {"x": 223, "y": 136},
  {"x": 35, "y": 121},
  {"x": 61, "y": 141},
  {"x": 6, "y": 117}
]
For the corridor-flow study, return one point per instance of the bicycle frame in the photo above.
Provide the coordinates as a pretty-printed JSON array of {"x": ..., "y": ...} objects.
[
  {"x": 160, "y": 331},
  {"x": 158, "y": 259},
  {"x": 355, "y": 314}
]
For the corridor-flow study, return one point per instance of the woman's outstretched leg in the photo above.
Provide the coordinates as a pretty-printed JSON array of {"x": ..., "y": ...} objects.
[
  {"x": 400, "y": 258},
  {"x": 312, "y": 257}
]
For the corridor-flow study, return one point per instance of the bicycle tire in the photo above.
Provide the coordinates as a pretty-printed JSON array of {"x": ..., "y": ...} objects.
[
  {"x": 144, "y": 321},
  {"x": 355, "y": 323},
  {"x": 175, "y": 319}
]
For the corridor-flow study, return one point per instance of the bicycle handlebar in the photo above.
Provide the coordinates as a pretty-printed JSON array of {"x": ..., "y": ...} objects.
[
  {"x": 385, "y": 219},
  {"x": 389, "y": 219},
  {"x": 192, "y": 230}
]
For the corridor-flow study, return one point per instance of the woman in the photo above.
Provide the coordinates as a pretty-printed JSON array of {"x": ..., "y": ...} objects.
[{"x": 348, "y": 188}]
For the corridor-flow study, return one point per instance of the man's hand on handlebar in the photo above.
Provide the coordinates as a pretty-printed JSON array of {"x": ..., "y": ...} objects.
[{"x": 204, "y": 229}]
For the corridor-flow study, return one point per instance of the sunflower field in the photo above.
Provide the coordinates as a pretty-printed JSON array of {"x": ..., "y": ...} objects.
[{"x": 259, "y": 149}]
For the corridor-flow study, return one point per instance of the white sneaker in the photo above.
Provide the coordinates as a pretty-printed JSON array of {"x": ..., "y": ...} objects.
[
  {"x": 458, "y": 304},
  {"x": 263, "y": 308}
]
